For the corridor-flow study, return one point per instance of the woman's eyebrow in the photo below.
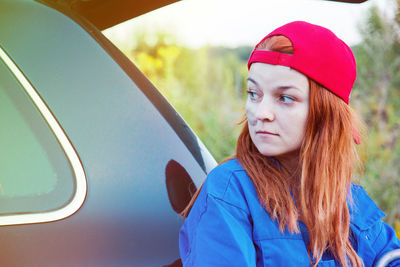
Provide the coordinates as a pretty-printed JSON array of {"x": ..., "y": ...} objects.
[
  {"x": 251, "y": 80},
  {"x": 287, "y": 87}
]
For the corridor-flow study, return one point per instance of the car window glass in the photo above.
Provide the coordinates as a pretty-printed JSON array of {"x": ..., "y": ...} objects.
[{"x": 34, "y": 173}]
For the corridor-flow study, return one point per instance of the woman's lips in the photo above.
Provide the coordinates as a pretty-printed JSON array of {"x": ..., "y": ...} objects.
[{"x": 266, "y": 133}]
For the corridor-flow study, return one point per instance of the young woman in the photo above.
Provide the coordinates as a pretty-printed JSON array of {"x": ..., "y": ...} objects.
[{"x": 286, "y": 198}]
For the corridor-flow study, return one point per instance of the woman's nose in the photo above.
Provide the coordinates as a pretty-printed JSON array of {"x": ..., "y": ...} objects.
[{"x": 265, "y": 111}]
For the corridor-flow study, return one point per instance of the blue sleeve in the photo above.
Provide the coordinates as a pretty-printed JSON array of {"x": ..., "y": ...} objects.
[
  {"x": 385, "y": 242},
  {"x": 216, "y": 233}
]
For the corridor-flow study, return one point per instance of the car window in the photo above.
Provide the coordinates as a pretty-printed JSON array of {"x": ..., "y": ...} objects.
[{"x": 35, "y": 175}]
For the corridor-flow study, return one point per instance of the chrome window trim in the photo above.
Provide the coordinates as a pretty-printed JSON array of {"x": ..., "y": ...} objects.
[{"x": 77, "y": 168}]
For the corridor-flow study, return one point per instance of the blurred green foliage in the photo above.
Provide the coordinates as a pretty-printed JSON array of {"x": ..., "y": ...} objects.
[
  {"x": 207, "y": 87},
  {"x": 376, "y": 96}
]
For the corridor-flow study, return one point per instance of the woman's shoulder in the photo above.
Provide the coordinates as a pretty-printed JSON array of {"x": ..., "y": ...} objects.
[
  {"x": 364, "y": 211},
  {"x": 230, "y": 183},
  {"x": 227, "y": 168},
  {"x": 227, "y": 174}
]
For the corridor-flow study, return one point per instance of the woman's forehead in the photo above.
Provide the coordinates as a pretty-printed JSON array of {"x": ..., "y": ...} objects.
[{"x": 275, "y": 76}]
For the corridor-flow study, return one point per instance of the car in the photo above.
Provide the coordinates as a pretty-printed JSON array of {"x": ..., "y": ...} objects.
[{"x": 95, "y": 164}]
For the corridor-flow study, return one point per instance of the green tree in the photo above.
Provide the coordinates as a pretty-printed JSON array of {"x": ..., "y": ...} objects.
[{"x": 377, "y": 97}]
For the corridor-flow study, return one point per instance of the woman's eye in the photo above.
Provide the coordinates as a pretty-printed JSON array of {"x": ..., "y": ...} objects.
[
  {"x": 252, "y": 95},
  {"x": 287, "y": 99}
]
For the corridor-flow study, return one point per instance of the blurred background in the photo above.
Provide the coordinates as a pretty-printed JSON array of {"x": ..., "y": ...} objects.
[{"x": 195, "y": 53}]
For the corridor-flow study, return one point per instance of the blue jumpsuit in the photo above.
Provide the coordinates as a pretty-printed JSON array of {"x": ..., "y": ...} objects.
[{"x": 228, "y": 226}]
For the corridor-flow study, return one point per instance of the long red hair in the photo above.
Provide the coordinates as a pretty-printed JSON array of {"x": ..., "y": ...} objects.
[{"x": 328, "y": 159}]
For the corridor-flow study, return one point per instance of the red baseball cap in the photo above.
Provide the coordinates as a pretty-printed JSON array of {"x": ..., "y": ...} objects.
[{"x": 317, "y": 53}]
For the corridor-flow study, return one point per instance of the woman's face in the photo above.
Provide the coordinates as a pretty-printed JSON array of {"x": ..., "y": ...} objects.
[{"x": 277, "y": 108}]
